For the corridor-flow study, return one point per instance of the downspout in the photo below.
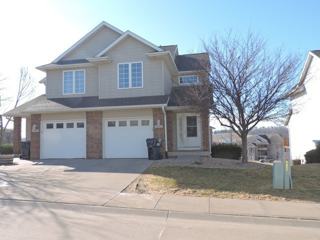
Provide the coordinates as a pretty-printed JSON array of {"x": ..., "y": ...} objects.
[{"x": 165, "y": 131}]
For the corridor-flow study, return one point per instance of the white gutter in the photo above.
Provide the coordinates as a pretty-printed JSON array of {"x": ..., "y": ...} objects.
[{"x": 165, "y": 129}]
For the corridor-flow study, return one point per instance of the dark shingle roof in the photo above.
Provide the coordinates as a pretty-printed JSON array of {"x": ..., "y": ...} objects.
[
  {"x": 84, "y": 102},
  {"x": 180, "y": 96},
  {"x": 171, "y": 48},
  {"x": 192, "y": 62}
]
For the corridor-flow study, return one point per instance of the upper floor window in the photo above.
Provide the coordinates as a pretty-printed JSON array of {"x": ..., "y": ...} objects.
[
  {"x": 73, "y": 81},
  {"x": 188, "y": 79},
  {"x": 130, "y": 75}
]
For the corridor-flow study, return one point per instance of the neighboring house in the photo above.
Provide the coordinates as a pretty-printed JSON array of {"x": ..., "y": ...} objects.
[
  {"x": 304, "y": 118},
  {"x": 111, "y": 91},
  {"x": 263, "y": 143}
]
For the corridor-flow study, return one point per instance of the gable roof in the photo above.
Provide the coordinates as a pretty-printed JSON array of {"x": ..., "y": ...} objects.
[
  {"x": 85, "y": 37},
  {"x": 124, "y": 36},
  {"x": 173, "y": 49},
  {"x": 300, "y": 86},
  {"x": 192, "y": 62}
]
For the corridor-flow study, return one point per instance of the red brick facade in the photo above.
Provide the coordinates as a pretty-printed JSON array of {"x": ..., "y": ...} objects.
[
  {"x": 158, "y": 126},
  {"x": 170, "y": 130},
  {"x": 17, "y": 135},
  {"x": 35, "y": 136},
  {"x": 205, "y": 130},
  {"x": 94, "y": 134}
]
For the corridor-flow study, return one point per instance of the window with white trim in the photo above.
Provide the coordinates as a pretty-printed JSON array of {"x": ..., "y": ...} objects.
[
  {"x": 145, "y": 122},
  {"x": 111, "y": 123},
  {"x": 188, "y": 79},
  {"x": 70, "y": 125},
  {"x": 130, "y": 75},
  {"x": 134, "y": 123},
  {"x": 73, "y": 82},
  {"x": 122, "y": 123}
]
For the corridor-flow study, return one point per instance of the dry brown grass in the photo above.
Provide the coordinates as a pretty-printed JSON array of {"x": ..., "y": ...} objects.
[{"x": 230, "y": 183}]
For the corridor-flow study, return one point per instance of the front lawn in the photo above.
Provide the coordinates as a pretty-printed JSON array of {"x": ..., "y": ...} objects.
[{"x": 229, "y": 183}]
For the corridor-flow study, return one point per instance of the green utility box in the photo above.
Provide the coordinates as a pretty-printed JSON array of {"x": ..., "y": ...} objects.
[{"x": 281, "y": 172}]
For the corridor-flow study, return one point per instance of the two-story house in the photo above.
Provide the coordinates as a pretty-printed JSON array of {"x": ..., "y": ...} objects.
[
  {"x": 303, "y": 122},
  {"x": 108, "y": 93}
]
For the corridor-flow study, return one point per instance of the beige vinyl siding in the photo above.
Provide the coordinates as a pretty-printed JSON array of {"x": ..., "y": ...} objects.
[
  {"x": 92, "y": 46},
  {"x": 63, "y": 116},
  {"x": 128, "y": 113},
  {"x": 167, "y": 79},
  {"x": 131, "y": 50},
  {"x": 54, "y": 86}
]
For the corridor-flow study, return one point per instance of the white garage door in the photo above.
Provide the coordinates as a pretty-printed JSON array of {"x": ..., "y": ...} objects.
[
  {"x": 63, "y": 139},
  {"x": 126, "y": 138}
]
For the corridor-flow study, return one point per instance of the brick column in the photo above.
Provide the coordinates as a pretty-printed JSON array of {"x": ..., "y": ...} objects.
[
  {"x": 170, "y": 130},
  {"x": 158, "y": 127},
  {"x": 35, "y": 137},
  {"x": 94, "y": 134},
  {"x": 158, "y": 124},
  {"x": 17, "y": 135},
  {"x": 205, "y": 130}
]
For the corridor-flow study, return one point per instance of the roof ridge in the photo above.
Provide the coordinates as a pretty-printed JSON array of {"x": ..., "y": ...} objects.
[
  {"x": 168, "y": 45},
  {"x": 194, "y": 53}
]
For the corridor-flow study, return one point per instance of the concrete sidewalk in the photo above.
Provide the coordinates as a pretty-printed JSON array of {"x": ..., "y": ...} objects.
[{"x": 257, "y": 208}]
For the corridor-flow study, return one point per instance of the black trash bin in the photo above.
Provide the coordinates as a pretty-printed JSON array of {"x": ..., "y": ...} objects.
[
  {"x": 25, "y": 150},
  {"x": 154, "y": 149}
]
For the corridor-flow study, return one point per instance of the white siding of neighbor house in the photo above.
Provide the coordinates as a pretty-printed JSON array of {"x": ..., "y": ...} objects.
[
  {"x": 93, "y": 45},
  {"x": 304, "y": 125},
  {"x": 131, "y": 50},
  {"x": 54, "y": 86}
]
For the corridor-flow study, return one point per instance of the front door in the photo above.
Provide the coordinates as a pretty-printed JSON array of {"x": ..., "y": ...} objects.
[{"x": 189, "y": 131}]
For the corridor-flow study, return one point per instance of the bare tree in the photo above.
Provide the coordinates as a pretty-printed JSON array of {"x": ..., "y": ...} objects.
[
  {"x": 250, "y": 83},
  {"x": 24, "y": 90}
]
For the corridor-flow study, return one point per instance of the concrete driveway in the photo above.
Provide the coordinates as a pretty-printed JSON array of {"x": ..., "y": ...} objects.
[{"x": 93, "y": 182}]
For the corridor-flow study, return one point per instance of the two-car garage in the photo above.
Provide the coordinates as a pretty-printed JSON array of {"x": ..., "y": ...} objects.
[{"x": 124, "y": 135}]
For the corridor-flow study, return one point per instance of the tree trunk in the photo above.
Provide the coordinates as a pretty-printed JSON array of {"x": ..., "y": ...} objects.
[{"x": 244, "y": 141}]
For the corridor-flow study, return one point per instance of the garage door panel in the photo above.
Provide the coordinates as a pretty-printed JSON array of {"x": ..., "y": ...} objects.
[
  {"x": 68, "y": 141},
  {"x": 126, "y": 138}
]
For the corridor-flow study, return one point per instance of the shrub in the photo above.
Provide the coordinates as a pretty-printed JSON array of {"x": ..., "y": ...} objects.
[
  {"x": 224, "y": 150},
  {"x": 313, "y": 156},
  {"x": 6, "y": 149}
]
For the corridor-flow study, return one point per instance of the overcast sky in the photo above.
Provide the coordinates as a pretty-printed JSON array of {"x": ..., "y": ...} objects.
[{"x": 35, "y": 32}]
